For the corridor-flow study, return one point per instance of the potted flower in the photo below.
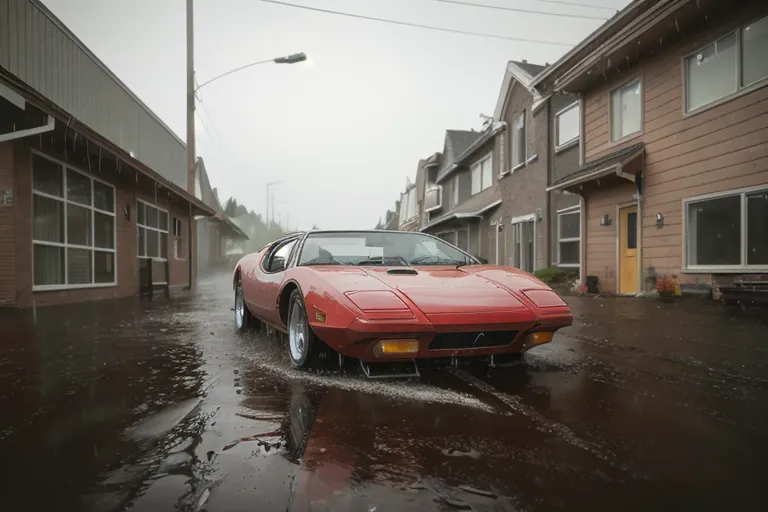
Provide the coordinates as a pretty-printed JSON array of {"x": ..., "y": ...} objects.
[{"x": 667, "y": 287}]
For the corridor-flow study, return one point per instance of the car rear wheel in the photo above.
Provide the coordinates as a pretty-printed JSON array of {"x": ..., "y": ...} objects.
[
  {"x": 243, "y": 318},
  {"x": 302, "y": 342}
]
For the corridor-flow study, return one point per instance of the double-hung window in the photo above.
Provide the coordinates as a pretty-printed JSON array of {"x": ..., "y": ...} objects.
[
  {"x": 151, "y": 231},
  {"x": 567, "y": 126},
  {"x": 73, "y": 227},
  {"x": 626, "y": 110},
  {"x": 178, "y": 239},
  {"x": 568, "y": 237},
  {"x": 517, "y": 144},
  {"x": 482, "y": 176},
  {"x": 726, "y": 66},
  {"x": 727, "y": 231}
]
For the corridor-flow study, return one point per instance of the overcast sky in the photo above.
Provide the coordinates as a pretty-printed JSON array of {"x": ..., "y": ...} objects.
[{"x": 344, "y": 130}]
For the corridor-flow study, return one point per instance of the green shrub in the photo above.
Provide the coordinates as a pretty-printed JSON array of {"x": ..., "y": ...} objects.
[{"x": 555, "y": 275}]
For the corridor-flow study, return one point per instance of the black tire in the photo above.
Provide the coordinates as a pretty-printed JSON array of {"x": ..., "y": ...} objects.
[
  {"x": 244, "y": 320},
  {"x": 302, "y": 354}
]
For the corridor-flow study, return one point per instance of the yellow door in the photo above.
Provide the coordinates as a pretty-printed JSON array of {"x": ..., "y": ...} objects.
[{"x": 628, "y": 250}]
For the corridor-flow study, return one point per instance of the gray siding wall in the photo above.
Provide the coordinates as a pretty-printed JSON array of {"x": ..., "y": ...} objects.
[
  {"x": 524, "y": 191},
  {"x": 39, "y": 50}
]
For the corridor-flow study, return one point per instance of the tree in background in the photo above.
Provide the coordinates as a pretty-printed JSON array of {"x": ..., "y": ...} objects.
[{"x": 254, "y": 226}]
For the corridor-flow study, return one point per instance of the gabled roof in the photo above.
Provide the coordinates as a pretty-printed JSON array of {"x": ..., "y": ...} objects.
[
  {"x": 457, "y": 142},
  {"x": 522, "y": 73}
]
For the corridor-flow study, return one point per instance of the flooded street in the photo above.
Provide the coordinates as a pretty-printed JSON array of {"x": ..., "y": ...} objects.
[{"x": 147, "y": 406}]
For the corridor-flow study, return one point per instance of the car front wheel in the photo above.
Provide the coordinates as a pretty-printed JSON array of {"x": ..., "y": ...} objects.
[{"x": 302, "y": 343}]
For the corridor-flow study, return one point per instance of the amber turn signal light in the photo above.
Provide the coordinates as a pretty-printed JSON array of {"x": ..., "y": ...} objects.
[
  {"x": 397, "y": 347},
  {"x": 538, "y": 338}
]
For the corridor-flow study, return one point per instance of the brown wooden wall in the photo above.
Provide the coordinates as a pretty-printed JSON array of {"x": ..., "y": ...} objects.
[{"x": 716, "y": 149}]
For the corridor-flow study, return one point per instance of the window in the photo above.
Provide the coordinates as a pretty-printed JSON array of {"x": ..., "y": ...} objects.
[
  {"x": 279, "y": 258},
  {"x": 481, "y": 175},
  {"x": 73, "y": 227},
  {"x": 727, "y": 65},
  {"x": 727, "y": 231},
  {"x": 568, "y": 238},
  {"x": 455, "y": 192},
  {"x": 433, "y": 197},
  {"x": 151, "y": 231},
  {"x": 178, "y": 239},
  {"x": 626, "y": 110},
  {"x": 518, "y": 141},
  {"x": 567, "y": 125}
]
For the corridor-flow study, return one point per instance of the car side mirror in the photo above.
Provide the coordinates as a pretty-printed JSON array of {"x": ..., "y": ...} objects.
[{"x": 278, "y": 264}]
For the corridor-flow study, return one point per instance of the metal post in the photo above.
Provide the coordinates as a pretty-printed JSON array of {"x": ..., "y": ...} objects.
[
  {"x": 273, "y": 208},
  {"x": 190, "y": 99}
]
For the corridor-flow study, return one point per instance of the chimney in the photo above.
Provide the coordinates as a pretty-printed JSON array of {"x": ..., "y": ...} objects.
[{"x": 525, "y": 61}]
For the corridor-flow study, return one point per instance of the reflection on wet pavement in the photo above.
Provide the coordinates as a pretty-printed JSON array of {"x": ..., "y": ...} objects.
[{"x": 161, "y": 406}]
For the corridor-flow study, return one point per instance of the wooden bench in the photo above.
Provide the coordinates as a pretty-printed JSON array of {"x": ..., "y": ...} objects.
[{"x": 749, "y": 290}]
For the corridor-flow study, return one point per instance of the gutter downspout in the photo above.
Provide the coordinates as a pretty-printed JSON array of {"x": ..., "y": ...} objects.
[{"x": 640, "y": 281}]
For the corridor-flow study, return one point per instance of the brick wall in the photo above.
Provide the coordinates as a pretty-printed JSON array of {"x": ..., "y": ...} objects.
[
  {"x": 7, "y": 229},
  {"x": 127, "y": 190}
]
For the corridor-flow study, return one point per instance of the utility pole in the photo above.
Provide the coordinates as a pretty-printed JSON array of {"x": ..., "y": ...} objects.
[
  {"x": 190, "y": 98},
  {"x": 191, "y": 157}
]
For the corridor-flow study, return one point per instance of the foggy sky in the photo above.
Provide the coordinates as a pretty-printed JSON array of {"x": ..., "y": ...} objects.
[{"x": 343, "y": 130}]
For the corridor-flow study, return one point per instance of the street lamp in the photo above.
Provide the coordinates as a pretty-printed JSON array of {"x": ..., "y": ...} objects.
[
  {"x": 269, "y": 184},
  {"x": 290, "y": 59}
]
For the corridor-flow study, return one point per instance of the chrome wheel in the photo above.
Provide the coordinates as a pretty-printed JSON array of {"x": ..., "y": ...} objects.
[
  {"x": 239, "y": 308},
  {"x": 298, "y": 332}
]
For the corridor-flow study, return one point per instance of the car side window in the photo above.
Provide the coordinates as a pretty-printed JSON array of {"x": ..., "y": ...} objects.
[{"x": 279, "y": 257}]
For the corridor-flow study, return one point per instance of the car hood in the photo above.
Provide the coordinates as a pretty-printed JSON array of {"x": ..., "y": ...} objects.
[{"x": 440, "y": 290}]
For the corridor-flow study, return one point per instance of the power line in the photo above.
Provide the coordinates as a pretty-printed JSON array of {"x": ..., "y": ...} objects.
[
  {"x": 415, "y": 25},
  {"x": 527, "y": 11},
  {"x": 591, "y": 6}
]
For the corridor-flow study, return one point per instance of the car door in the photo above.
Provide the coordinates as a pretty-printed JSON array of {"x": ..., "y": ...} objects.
[{"x": 270, "y": 275}]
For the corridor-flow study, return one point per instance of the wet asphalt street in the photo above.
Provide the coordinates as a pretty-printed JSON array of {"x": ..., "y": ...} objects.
[{"x": 159, "y": 405}]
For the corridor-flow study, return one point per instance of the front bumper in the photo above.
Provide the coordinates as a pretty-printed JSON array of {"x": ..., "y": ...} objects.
[{"x": 361, "y": 338}]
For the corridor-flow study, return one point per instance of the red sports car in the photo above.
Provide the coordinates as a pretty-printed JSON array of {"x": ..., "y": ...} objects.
[{"x": 391, "y": 296}]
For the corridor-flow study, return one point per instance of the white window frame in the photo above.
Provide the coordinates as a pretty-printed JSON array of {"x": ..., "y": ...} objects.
[
  {"x": 741, "y": 89},
  {"x": 524, "y": 161},
  {"x": 178, "y": 236},
  {"x": 65, "y": 245},
  {"x": 639, "y": 131},
  {"x": 572, "y": 210},
  {"x": 158, "y": 230},
  {"x": 439, "y": 189},
  {"x": 478, "y": 166},
  {"x": 560, "y": 146},
  {"x": 708, "y": 269},
  {"x": 519, "y": 220}
]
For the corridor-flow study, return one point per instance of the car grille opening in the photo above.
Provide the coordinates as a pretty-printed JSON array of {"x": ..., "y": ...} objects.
[{"x": 459, "y": 340}]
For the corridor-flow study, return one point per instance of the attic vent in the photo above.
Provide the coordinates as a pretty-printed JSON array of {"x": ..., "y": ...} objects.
[{"x": 402, "y": 272}]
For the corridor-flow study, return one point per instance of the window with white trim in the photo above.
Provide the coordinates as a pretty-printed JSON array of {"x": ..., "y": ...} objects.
[
  {"x": 523, "y": 234},
  {"x": 73, "y": 227},
  {"x": 568, "y": 238},
  {"x": 482, "y": 176},
  {"x": 151, "y": 231},
  {"x": 728, "y": 231},
  {"x": 567, "y": 125},
  {"x": 455, "y": 192},
  {"x": 727, "y": 65},
  {"x": 626, "y": 110},
  {"x": 517, "y": 145},
  {"x": 179, "y": 244}
]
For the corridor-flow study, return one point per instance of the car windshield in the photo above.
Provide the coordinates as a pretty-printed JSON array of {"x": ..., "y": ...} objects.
[{"x": 379, "y": 248}]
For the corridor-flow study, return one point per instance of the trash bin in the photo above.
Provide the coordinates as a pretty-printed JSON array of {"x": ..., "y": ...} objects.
[{"x": 592, "y": 284}]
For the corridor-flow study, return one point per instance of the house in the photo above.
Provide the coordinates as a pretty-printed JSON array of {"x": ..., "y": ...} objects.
[
  {"x": 461, "y": 192},
  {"x": 92, "y": 182},
  {"x": 219, "y": 240},
  {"x": 535, "y": 228},
  {"x": 673, "y": 157},
  {"x": 408, "y": 214}
]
